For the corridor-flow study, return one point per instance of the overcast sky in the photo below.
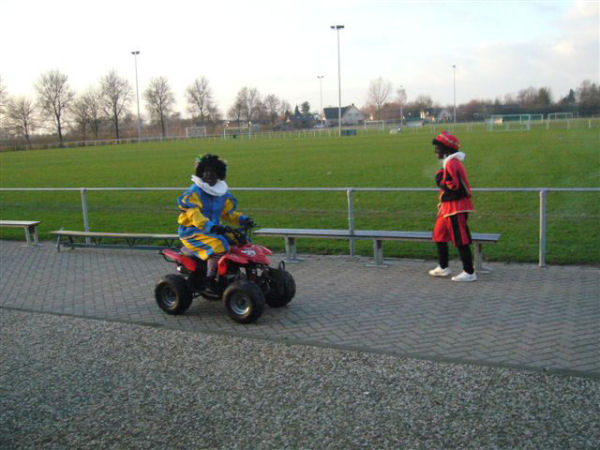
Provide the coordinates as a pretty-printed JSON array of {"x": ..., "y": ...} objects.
[{"x": 280, "y": 47}]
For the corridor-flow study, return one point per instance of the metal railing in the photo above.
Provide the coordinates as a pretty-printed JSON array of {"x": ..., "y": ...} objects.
[{"x": 542, "y": 192}]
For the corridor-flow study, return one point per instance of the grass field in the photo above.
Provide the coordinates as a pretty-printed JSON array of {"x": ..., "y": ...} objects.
[{"x": 556, "y": 158}]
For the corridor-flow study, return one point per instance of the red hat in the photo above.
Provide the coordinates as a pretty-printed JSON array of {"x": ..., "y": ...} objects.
[{"x": 448, "y": 140}]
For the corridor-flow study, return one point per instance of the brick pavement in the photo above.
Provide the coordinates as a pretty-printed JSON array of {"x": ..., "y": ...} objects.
[{"x": 519, "y": 315}]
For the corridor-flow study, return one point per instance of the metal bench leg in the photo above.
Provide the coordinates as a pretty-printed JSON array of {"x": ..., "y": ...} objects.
[
  {"x": 479, "y": 260},
  {"x": 27, "y": 236},
  {"x": 378, "y": 252},
  {"x": 290, "y": 249}
]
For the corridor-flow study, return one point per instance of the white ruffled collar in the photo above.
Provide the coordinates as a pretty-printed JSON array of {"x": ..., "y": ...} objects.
[
  {"x": 458, "y": 155},
  {"x": 219, "y": 189}
]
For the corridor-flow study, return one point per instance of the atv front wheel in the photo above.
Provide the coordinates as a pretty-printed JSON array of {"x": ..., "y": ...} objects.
[
  {"x": 282, "y": 288},
  {"x": 244, "y": 301},
  {"x": 172, "y": 294}
]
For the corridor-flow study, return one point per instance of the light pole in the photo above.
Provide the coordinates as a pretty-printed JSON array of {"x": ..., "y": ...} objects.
[
  {"x": 135, "y": 53},
  {"x": 454, "y": 67},
  {"x": 402, "y": 98},
  {"x": 320, "y": 77},
  {"x": 337, "y": 28}
]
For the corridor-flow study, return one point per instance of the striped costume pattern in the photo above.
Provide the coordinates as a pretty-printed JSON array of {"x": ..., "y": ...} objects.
[{"x": 199, "y": 212}]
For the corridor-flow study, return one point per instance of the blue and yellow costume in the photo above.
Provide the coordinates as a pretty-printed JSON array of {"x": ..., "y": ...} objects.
[{"x": 202, "y": 207}]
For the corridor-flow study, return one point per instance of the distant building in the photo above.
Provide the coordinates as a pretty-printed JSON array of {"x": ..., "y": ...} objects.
[
  {"x": 445, "y": 115},
  {"x": 351, "y": 115}
]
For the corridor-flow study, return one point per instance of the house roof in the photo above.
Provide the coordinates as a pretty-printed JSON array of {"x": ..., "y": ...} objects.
[{"x": 331, "y": 113}]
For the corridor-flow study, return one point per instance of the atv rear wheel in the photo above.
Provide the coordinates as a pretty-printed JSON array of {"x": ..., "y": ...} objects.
[
  {"x": 244, "y": 301},
  {"x": 172, "y": 294},
  {"x": 283, "y": 288}
]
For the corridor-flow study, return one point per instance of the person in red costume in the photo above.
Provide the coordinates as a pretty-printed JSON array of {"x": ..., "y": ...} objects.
[{"x": 453, "y": 209}]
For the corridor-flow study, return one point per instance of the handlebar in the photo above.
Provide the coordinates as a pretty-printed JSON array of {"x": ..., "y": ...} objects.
[{"x": 241, "y": 235}]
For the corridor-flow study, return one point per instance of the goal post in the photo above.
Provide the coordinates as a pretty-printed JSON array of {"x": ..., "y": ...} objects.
[
  {"x": 510, "y": 122},
  {"x": 235, "y": 132},
  {"x": 564, "y": 118},
  {"x": 192, "y": 132},
  {"x": 560, "y": 116},
  {"x": 374, "y": 124}
]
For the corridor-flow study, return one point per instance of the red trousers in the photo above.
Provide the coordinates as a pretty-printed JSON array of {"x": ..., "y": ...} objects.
[{"x": 452, "y": 228}]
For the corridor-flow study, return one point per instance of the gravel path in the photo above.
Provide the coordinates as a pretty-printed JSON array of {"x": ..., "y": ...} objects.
[{"x": 69, "y": 382}]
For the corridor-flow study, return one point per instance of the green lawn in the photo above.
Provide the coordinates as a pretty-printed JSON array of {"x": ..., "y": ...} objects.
[{"x": 537, "y": 158}]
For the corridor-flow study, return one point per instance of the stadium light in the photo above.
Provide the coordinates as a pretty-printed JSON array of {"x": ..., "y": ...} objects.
[
  {"x": 454, "y": 67},
  {"x": 337, "y": 28},
  {"x": 320, "y": 77},
  {"x": 135, "y": 53}
]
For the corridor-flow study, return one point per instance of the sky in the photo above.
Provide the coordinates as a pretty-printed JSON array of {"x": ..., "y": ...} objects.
[{"x": 281, "y": 47}]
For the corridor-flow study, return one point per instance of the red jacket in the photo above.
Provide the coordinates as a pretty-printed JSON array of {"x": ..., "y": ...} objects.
[{"x": 455, "y": 191}]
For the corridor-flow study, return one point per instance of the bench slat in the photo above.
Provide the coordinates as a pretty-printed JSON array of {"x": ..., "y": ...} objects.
[
  {"x": 378, "y": 236},
  {"x": 94, "y": 239},
  {"x": 113, "y": 235},
  {"x": 364, "y": 234},
  {"x": 29, "y": 226},
  {"x": 19, "y": 223}
]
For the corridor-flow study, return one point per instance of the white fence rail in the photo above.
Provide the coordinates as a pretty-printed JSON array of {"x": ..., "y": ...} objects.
[
  {"x": 389, "y": 127},
  {"x": 542, "y": 192}
]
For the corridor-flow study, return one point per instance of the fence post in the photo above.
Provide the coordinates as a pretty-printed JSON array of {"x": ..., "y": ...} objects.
[
  {"x": 84, "y": 209},
  {"x": 350, "y": 194},
  {"x": 542, "y": 256}
]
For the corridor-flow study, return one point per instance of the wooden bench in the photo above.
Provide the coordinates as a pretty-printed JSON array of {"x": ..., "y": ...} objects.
[
  {"x": 378, "y": 236},
  {"x": 30, "y": 227},
  {"x": 72, "y": 239}
]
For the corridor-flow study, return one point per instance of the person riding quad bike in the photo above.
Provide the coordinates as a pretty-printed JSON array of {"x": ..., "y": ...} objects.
[
  {"x": 216, "y": 261},
  {"x": 203, "y": 206}
]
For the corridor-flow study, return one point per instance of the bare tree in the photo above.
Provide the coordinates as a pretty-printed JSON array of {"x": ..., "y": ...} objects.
[
  {"x": 86, "y": 112},
  {"x": 21, "y": 117},
  {"x": 253, "y": 102},
  {"x": 272, "y": 105},
  {"x": 81, "y": 116},
  {"x": 261, "y": 113},
  {"x": 588, "y": 95},
  {"x": 379, "y": 92},
  {"x": 55, "y": 96},
  {"x": 159, "y": 101},
  {"x": 235, "y": 112},
  {"x": 92, "y": 100},
  {"x": 249, "y": 100},
  {"x": 3, "y": 100},
  {"x": 116, "y": 94},
  {"x": 200, "y": 100},
  {"x": 285, "y": 108}
]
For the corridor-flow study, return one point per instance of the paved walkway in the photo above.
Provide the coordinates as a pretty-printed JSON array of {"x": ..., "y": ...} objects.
[{"x": 517, "y": 316}]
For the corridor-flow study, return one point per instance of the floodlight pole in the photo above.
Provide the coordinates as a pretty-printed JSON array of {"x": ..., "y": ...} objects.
[
  {"x": 135, "y": 53},
  {"x": 454, "y": 67},
  {"x": 320, "y": 77},
  {"x": 402, "y": 94},
  {"x": 337, "y": 28}
]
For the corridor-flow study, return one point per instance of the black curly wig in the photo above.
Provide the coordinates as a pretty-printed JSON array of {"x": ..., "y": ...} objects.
[
  {"x": 444, "y": 149},
  {"x": 208, "y": 160}
]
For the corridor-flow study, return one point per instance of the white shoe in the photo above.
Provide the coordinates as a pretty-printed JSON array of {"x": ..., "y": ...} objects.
[
  {"x": 464, "y": 276},
  {"x": 439, "y": 272}
]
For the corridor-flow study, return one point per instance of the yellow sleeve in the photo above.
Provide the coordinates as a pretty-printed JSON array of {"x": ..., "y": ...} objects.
[
  {"x": 229, "y": 213},
  {"x": 192, "y": 217},
  {"x": 191, "y": 212}
]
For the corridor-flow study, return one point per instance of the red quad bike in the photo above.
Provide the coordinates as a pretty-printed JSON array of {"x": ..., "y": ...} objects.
[{"x": 244, "y": 280}]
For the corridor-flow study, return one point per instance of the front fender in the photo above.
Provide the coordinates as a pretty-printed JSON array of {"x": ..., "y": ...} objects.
[{"x": 223, "y": 263}]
